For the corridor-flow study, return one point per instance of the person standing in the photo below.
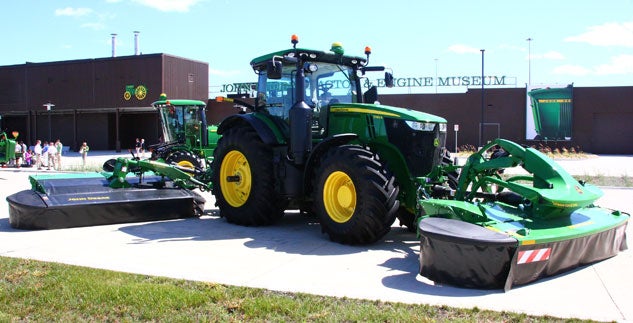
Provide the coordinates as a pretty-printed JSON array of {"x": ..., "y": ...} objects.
[
  {"x": 83, "y": 150},
  {"x": 52, "y": 156},
  {"x": 18, "y": 155},
  {"x": 45, "y": 154},
  {"x": 58, "y": 156},
  {"x": 137, "y": 146},
  {"x": 142, "y": 148},
  {"x": 37, "y": 150}
]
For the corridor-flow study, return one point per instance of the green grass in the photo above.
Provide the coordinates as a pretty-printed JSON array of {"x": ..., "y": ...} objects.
[{"x": 40, "y": 291}]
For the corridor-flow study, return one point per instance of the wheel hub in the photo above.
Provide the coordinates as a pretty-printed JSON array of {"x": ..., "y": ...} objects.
[
  {"x": 339, "y": 197},
  {"x": 235, "y": 178}
]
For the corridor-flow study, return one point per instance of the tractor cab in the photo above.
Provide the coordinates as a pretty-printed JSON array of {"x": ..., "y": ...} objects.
[
  {"x": 330, "y": 78},
  {"x": 182, "y": 121}
]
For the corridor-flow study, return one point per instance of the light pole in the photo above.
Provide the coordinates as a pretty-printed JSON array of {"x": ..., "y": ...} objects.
[
  {"x": 49, "y": 106},
  {"x": 436, "y": 76},
  {"x": 481, "y": 126},
  {"x": 529, "y": 40}
]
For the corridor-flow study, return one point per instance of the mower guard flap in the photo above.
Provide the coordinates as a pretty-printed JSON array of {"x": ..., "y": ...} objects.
[{"x": 463, "y": 254}]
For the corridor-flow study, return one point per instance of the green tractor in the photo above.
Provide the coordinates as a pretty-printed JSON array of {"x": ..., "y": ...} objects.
[
  {"x": 7, "y": 149},
  {"x": 187, "y": 140},
  {"x": 314, "y": 141}
]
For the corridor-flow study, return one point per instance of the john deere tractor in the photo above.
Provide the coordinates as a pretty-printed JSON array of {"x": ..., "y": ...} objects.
[
  {"x": 187, "y": 140},
  {"x": 314, "y": 141}
]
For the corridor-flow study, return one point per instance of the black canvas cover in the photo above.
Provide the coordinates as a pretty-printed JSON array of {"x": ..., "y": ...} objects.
[
  {"x": 467, "y": 255},
  {"x": 463, "y": 254},
  {"x": 76, "y": 202}
]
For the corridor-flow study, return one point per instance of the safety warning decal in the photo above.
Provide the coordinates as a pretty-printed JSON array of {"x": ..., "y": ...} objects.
[{"x": 529, "y": 256}]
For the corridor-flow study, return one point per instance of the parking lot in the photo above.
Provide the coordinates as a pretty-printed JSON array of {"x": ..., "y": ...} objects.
[{"x": 294, "y": 256}]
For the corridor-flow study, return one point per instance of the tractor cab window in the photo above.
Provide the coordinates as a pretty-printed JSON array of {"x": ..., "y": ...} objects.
[
  {"x": 275, "y": 96},
  {"x": 325, "y": 84},
  {"x": 181, "y": 123}
]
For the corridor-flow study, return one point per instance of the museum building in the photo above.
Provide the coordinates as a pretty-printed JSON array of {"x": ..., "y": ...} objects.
[{"x": 107, "y": 103}]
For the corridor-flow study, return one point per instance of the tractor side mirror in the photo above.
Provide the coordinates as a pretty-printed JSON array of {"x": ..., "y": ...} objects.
[
  {"x": 371, "y": 95},
  {"x": 388, "y": 79},
  {"x": 273, "y": 70}
]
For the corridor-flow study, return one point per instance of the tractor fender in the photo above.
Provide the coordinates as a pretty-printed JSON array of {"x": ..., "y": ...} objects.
[
  {"x": 319, "y": 150},
  {"x": 263, "y": 130}
]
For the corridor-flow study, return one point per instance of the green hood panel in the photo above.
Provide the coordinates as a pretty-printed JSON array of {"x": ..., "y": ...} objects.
[{"x": 386, "y": 111}]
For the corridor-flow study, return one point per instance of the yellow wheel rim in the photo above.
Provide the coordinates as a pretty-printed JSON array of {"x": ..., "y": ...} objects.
[
  {"x": 235, "y": 178},
  {"x": 339, "y": 197},
  {"x": 186, "y": 164}
]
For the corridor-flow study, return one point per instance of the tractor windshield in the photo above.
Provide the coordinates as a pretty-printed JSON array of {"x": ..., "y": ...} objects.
[
  {"x": 326, "y": 84},
  {"x": 180, "y": 122}
]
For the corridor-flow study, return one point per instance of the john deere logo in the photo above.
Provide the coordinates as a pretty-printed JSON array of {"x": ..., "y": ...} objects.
[{"x": 139, "y": 92}]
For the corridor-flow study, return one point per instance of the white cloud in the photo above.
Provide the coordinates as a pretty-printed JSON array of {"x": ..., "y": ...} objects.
[
  {"x": 618, "y": 65},
  {"x": 609, "y": 34},
  {"x": 169, "y": 5},
  {"x": 574, "y": 70},
  {"x": 621, "y": 64},
  {"x": 73, "y": 12},
  {"x": 463, "y": 49}
]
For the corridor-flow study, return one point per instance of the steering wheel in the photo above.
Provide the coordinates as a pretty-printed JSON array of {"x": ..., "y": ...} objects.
[{"x": 326, "y": 86}]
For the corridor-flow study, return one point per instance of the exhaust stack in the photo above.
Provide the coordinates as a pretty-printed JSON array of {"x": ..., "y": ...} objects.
[
  {"x": 136, "y": 42},
  {"x": 113, "y": 45}
]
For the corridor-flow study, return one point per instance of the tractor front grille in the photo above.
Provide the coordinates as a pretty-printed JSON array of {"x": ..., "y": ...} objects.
[{"x": 422, "y": 150}]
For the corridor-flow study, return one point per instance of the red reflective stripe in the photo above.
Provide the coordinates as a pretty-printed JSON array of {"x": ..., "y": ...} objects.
[{"x": 529, "y": 256}]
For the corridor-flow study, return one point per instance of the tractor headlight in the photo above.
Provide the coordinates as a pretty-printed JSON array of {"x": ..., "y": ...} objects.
[
  {"x": 421, "y": 126},
  {"x": 443, "y": 127}
]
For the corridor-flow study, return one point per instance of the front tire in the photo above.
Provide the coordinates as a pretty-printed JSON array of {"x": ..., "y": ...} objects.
[
  {"x": 354, "y": 197},
  {"x": 243, "y": 180}
]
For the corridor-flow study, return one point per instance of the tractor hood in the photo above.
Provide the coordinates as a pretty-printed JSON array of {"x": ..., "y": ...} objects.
[{"x": 386, "y": 111}]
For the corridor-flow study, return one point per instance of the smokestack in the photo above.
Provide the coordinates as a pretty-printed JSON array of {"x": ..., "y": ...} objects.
[
  {"x": 136, "y": 42},
  {"x": 113, "y": 45}
]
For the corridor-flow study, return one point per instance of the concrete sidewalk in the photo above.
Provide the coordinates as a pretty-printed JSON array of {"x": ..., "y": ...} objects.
[{"x": 294, "y": 256}]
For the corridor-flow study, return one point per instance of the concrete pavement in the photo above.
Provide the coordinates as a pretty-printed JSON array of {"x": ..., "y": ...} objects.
[{"x": 294, "y": 256}]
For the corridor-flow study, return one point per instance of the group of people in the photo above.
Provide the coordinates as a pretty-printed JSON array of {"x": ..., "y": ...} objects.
[{"x": 45, "y": 154}]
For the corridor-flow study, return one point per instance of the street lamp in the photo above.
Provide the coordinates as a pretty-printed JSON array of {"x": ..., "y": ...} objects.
[
  {"x": 436, "y": 76},
  {"x": 49, "y": 106},
  {"x": 529, "y": 40},
  {"x": 481, "y": 126}
]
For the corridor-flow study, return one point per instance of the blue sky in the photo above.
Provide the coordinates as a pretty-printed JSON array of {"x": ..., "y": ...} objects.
[{"x": 588, "y": 43}]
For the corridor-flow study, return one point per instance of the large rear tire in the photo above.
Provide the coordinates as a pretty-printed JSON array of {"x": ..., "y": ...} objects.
[
  {"x": 354, "y": 196},
  {"x": 243, "y": 180}
]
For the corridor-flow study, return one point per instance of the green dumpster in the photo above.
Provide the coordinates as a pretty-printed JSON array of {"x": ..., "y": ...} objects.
[{"x": 552, "y": 111}]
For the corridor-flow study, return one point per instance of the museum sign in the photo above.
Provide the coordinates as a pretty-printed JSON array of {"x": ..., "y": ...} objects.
[{"x": 402, "y": 82}]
